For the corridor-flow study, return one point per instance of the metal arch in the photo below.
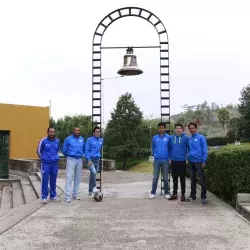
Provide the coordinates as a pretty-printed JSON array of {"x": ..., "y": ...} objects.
[
  {"x": 120, "y": 15},
  {"x": 97, "y": 73},
  {"x": 164, "y": 60}
]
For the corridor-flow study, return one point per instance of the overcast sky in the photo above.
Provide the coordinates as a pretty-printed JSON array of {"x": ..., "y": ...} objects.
[{"x": 46, "y": 53}]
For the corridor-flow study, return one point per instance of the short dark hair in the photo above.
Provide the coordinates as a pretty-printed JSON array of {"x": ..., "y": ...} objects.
[
  {"x": 50, "y": 128},
  {"x": 161, "y": 124},
  {"x": 192, "y": 123},
  {"x": 178, "y": 125},
  {"x": 95, "y": 128},
  {"x": 76, "y": 127}
]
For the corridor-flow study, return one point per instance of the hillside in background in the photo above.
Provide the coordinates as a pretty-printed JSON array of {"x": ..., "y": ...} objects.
[{"x": 212, "y": 119}]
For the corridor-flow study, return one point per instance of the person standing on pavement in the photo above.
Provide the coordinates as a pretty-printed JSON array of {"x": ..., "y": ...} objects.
[
  {"x": 93, "y": 149},
  {"x": 197, "y": 157},
  {"x": 73, "y": 149},
  {"x": 47, "y": 151},
  {"x": 160, "y": 150},
  {"x": 178, "y": 158}
]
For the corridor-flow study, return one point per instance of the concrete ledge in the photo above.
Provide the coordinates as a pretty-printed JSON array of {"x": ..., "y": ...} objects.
[
  {"x": 17, "y": 215},
  {"x": 62, "y": 163},
  {"x": 243, "y": 198},
  {"x": 108, "y": 165},
  {"x": 23, "y": 167},
  {"x": 243, "y": 204},
  {"x": 6, "y": 182}
]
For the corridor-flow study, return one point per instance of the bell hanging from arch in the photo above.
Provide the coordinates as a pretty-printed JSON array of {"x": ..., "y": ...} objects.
[{"x": 130, "y": 67}]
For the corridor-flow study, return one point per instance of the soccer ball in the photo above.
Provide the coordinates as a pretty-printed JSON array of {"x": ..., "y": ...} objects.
[{"x": 98, "y": 196}]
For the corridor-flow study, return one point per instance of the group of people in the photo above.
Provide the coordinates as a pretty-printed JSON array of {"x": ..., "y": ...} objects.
[
  {"x": 179, "y": 152},
  {"x": 176, "y": 152},
  {"x": 74, "y": 149}
]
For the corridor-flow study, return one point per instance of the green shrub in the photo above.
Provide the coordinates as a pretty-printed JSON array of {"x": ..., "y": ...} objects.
[
  {"x": 217, "y": 141},
  {"x": 228, "y": 172}
]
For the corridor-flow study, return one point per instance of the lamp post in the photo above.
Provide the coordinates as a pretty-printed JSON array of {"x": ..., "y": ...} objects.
[
  {"x": 150, "y": 138},
  {"x": 49, "y": 108}
]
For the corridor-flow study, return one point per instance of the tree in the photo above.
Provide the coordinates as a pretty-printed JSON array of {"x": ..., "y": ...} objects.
[
  {"x": 223, "y": 116},
  {"x": 198, "y": 117},
  {"x": 244, "y": 109},
  {"x": 235, "y": 129},
  {"x": 124, "y": 130},
  {"x": 214, "y": 106},
  {"x": 182, "y": 120},
  {"x": 64, "y": 126},
  {"x": 52, "y": 123}
]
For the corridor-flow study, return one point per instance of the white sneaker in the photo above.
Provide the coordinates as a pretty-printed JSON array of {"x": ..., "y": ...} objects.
[
  {"x": 67, "y": 200},
  {"x": 44, "y": 201},
  {"x": 55, "y": 199},
  {"x": 151, "y": 196},
  {"x": 95, "y": 190},
  {"x": 167, "y": 196}
]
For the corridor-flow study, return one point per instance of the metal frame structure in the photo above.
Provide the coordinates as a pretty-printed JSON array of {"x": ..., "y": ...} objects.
[{"x": 97, "y": 65}]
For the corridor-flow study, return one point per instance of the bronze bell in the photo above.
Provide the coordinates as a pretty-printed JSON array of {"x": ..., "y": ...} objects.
[{"x": 130, "y": 67}]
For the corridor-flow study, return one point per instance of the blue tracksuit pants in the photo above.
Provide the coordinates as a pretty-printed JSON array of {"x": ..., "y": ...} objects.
[{"x": 49, "y": 172}]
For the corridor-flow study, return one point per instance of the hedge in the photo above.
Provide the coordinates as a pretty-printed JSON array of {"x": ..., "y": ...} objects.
[
  {"x": 228, "y": 172},
  {"x": 217, "y": 141}
]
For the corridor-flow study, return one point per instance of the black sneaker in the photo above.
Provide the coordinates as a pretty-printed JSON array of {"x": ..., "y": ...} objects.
[
  {"x": 192, "y": 198},
  {"x": 183, "y": 198},
  {"x": 204, "y": 201}
]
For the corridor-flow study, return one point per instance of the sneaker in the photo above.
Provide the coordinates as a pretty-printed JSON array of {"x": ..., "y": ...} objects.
[
  {"x": 173, "y": 197},
  {"x": 76, "y": 198},
  {"x": 167, "y": 196},
  {"x": 95, "y": 190},
  {"x": 151, "y": 196},
  {"x": 68, "y": 200},
  {"x": 183, "y": 198},
  {"x": 192, "y": 198},
  {"x": 44, "y": 201},
  {"x": 204, "y": 201},
  {"x": 55, "y": 199}
]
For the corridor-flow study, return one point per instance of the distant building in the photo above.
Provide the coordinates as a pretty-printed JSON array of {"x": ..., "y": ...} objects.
[{"x": 21, "y": 128}]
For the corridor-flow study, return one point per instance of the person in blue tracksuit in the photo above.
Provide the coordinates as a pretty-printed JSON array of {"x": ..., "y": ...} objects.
[
  {"x": 178, "y": 157},
  {"x": 93, "y": 148},
  {"x": 197, "y": 157},
  {"x": 160, "y": 149},
  {"x": 73, "y": 149},
  {"x": 47, "y": 151}
]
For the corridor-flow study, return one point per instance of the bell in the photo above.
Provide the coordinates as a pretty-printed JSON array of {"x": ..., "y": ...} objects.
[{"x": 130, "y": 67}]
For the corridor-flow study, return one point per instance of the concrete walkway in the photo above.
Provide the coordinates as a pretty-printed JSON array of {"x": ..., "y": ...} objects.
[{"x": 127, "y": 219}]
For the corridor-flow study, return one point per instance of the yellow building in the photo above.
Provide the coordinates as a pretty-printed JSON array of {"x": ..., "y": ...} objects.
[{"x": 21, "y": 128}]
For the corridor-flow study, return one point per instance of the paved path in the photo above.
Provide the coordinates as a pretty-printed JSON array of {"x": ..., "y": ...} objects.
[{"x": 129, "y": 220}]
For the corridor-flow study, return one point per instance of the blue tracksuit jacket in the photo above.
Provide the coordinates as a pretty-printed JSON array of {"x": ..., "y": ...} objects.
[
  {"x": 48, "y": 149},
  {"x": 179, "y": 147},
  {"x": 161, "y": 147},
  {"x": 198, "y": 151},
  {"x": 93, "y": 148},
  {"x": 73, "y": 147}
]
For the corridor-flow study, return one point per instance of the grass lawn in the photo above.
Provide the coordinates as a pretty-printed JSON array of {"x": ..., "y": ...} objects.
[
  {"x": 243, "y": 145},
  {"x": 143, "y": 167}
]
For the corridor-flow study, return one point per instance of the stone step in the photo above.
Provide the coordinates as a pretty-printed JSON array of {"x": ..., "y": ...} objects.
[
  {"x": 17, "y": 192},
  {"x": 16, "y": 215},
  {"x": 28, "y": 191},
  {"x": 6, "y": 204},
  {"x": 59, "y": 185},
  {"x": 36, "y": 184}
]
